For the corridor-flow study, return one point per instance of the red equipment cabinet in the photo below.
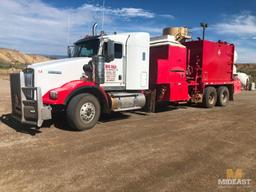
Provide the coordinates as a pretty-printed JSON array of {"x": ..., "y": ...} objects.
[
  {"x": 210, "y": 62},
  {"x": 182, "y": 72},
  {"x": 168, "y": 72}
]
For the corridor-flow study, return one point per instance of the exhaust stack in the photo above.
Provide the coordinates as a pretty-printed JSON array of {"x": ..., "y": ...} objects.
[{"x": 94, "y": 32}]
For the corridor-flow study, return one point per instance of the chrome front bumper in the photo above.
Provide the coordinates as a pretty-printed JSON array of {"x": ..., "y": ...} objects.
[{"x": 27, "y": 104}]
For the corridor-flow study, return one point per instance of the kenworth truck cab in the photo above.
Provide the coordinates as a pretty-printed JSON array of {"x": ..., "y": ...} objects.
[{"x": 105, "y": 73}]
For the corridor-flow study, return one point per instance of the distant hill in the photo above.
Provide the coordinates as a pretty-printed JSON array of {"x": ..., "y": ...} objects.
[
  {"x": 56, "y": 56},
  {"x": 249, "y": 69},
  {"x": 12, "y": 58}
]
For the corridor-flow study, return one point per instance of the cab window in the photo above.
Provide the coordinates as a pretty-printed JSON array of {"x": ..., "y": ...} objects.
[{"x": 118, "y": 50}]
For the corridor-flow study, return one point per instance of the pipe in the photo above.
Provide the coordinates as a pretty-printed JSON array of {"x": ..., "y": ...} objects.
[
  {"x": 204, "y": 26},
  {"x": 94, "y": 33}
]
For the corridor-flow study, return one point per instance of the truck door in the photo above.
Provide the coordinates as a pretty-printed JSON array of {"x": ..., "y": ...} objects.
[{"x": 114, "y": 76}]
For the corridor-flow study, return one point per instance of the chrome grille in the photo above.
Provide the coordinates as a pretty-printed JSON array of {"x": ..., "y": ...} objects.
[
  {"x": 29, "y": 77},
  {"x": 29, "y": 82}
]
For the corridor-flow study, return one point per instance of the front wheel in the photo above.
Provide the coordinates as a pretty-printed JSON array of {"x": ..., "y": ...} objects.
[
  {"x": 210, "y": 97},
  {"x": 83, "y": 112}
]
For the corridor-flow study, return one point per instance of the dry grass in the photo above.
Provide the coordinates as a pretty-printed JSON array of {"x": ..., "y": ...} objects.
[
  {"x": 13, "y": 58},
  {"x": 4, "y": 73}
]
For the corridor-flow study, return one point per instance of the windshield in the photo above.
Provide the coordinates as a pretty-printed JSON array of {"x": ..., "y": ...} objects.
[{"x": 87, "y": 48}]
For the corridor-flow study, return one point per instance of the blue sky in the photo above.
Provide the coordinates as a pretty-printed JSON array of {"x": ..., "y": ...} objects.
[{"x": 48, "y": 26}]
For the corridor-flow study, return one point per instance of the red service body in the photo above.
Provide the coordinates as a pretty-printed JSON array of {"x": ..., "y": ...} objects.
[
  {"x": 181, "y": 72},
  {"x": 168, "y": 72},
  {"x": 214, "y": 60}
]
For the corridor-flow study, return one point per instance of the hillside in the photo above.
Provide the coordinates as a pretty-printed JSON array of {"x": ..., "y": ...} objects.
[
  {"x": 249, "y": 69},
  {"x": 12, "y": 58}
]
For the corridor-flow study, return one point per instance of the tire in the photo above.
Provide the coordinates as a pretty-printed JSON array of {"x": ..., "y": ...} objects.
[
  {"x": 210, "y": 97},
  {"x": 83, "y": 112},
  {"x": 223, "y": 96}
]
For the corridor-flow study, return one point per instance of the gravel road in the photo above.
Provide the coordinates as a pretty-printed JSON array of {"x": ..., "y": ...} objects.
[{"x": 179, "y": 149}]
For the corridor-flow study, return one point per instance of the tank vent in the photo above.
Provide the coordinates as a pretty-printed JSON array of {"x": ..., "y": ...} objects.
[{"x": 180, "y": 33}]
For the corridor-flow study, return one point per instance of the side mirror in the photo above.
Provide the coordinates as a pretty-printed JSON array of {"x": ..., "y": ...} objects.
[{"x": 111, "y": 51}]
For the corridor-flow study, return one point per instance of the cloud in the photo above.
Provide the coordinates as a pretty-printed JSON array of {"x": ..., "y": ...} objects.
[
  {"x": 31, "y": 25},
  {"x": 156, "y": 29},
  {"x": 122, "y": 12},
  {"x": 133, "y": 12},
  {"x": 38, "y": 27},
  {"x": 239, "y": 29},
  {"x": 246, "y": 55},
  {"x": 238, "y": 25},
  {"x": 167, "y": 16}
]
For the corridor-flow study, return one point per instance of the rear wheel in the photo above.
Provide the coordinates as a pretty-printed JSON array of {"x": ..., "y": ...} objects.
[
  {"x": 83, "y": 112},
  {"x": 223, "y": 96},
  {"x": 210, "y": 97}
]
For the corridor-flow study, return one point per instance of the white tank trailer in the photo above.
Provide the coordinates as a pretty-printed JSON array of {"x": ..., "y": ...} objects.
[{"x": 243, "y": 77}]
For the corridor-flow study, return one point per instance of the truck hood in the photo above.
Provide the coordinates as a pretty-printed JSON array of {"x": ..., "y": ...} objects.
[
  {"x": 53, "y": 74},
  {"x": 60, "y": 62}
]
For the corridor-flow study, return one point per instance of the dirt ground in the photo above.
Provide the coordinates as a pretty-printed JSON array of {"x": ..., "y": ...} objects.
[{"x": 183, "y": 149}]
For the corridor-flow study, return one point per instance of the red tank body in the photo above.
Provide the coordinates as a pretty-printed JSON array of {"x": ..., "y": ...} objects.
[
  {"x": 214, "y": 60},
  {"x": 182, "y": 72}
]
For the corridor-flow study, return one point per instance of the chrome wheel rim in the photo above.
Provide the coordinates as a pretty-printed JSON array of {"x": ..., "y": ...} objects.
[
  {"x": 211, "y": 98},
  {"x": 87, "y": 112},
  {"x": 224, "y": 97}
]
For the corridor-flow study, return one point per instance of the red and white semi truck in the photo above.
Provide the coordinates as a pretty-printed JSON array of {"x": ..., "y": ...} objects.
[{"x": 123, "y": 72}]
